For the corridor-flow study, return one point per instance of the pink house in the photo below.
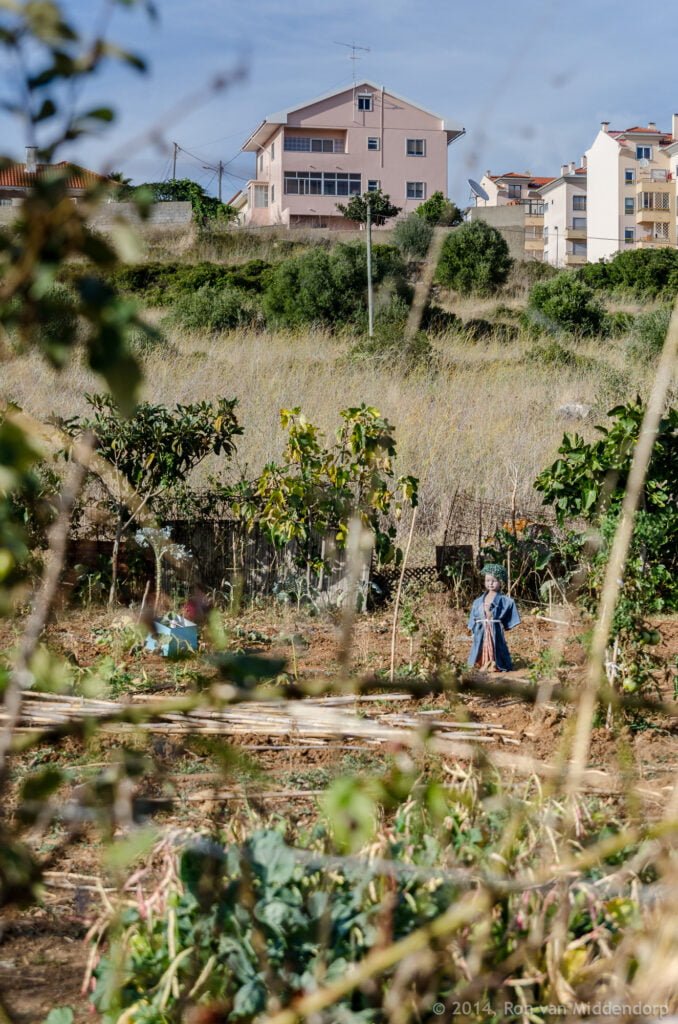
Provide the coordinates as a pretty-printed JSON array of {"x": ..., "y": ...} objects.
[{"x": 357, "y": 139}]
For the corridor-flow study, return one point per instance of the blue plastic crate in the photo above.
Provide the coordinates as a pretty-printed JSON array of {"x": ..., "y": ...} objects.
[{"x": 173, "y": 638}]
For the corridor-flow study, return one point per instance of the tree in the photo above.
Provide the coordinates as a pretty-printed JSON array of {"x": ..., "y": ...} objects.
[
  {"x": 474, "y": 258},
  {"x": 155, "y": 449},
  {"x": 439, "y": 210},
  {"x": 380, "y": 206}
]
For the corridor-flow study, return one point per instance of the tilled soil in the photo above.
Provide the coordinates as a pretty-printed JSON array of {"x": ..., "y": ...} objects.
[{"x": 42, "y": 955}]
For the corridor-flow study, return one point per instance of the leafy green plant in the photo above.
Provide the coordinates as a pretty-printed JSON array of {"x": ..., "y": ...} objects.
[
  {"x": 213, "y": 309},
  {"x": 413, "y": 236},
  {"x": 566, "y": 305},
  {"x": 648, "y": 334},
  {"x": 475, "y": 258},
  {"x": 637, "y": 273},
  {"x": 379, "y": 204},
  {"x": 317, "y": 489},
  {"x": 439, "y": 210}
]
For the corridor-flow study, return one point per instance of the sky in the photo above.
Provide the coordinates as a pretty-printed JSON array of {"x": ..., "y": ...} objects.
[{"x": 529, "y": 81}]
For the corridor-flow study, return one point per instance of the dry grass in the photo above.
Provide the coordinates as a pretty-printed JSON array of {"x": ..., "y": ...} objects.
[{"x": 481, "y": 416}]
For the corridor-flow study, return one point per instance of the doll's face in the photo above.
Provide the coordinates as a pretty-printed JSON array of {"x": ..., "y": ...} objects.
[{"x": 492, "y": 584}]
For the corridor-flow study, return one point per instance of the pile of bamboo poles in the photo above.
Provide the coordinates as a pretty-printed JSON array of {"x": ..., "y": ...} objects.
[{"x": 321, "y": 720}]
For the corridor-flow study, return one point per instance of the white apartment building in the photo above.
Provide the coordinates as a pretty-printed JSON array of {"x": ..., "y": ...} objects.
[
  {"x": 565, "y": 217},
  {"x": 631, "y": 189}
]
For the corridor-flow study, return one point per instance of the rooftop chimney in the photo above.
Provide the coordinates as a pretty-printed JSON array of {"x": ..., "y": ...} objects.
[
  {"x": 31, "y": 159},
  {"x": 652, "y": 125},
  {"x": 563, "y": 169},
  {"x": 583, "y": 162},
  {"x": 674, "y": 126},
  {"x": 573, "y": 166},
  {"x": 605, "y": 126}
]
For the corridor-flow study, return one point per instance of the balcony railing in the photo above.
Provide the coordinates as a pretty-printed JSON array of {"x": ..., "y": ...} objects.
[
  {"x": 575, "y": 234},
  {"x": 575, "y": 259},
  {"x": 654, "y": 174}
]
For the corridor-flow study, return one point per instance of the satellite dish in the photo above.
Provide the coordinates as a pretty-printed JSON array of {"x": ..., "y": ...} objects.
[
  {"x": 644, "y": 162},
  {"x": 478, "y": 190}
]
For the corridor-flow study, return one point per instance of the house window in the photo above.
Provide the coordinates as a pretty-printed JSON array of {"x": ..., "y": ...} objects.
[
  {"x": 579, "y": 248},
  {"x": 416, "y": 147},
  {"x": 643, "y": 152},
  {"x": 306, "y": 144},
  {"x": 317, "y": 183},
  {"x": 273, "y": 151},
  {"x": 654, "y": 201},
  {"x": 416, "y": 190},
  {"x": 629, "y": 204},
  {"x": 579, "y": 223},
  {"x": 514, "y": 191},
  {"x": 374, "y": 143},
  {"x": 364, "y": 101},
  {"x": 260, "y": 196},
  {"x": 578, "y": 202},
  {"x": 660, "y": 232},
  {"x": 629, "y": 235},
  {"x": 373, "y": 185},
  {"x": 272, "y": 193},
  {"x": 629, "y": 176}
]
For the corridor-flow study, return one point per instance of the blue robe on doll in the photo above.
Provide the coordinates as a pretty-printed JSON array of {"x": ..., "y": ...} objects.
[{"x": 505, "y": 616}]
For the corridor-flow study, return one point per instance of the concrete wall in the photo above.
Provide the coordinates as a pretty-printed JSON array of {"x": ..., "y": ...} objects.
[
  {"x": 169, "y": 215},
  {"x": 509, "y": 220}
]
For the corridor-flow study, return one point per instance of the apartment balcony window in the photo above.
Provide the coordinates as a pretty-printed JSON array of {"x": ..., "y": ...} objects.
[
  {"x": 643, "y": 152},
  {"x": 629, "y": 176},
  {"x": 416, "y": 190},
  {"x": 416, "y": 147},
  {"x": 319, "y": 183},
  {"x": 534, "y": 209},
  {"x": 579, "y": 248},
  {"x": 629, "y": 235},
  {"x": 579, "y": 223},
  {"x": 660, "y": 232},
  {"x": 261, "y": 196},
  {"x": 654, "y": 201},
  {"x": 514, "y": 191},
  {"x": 374, "y": 143},
  {"x": 629, "y": 204},
  {"x": 578, "y": 202},
  {"x": 307, "y": 144},
  {"x": 373, "y": 185},
  {"x": 364, "y": 101}
]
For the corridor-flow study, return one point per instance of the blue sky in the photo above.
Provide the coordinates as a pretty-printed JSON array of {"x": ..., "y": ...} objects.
[{"x": 529, "y": 81}]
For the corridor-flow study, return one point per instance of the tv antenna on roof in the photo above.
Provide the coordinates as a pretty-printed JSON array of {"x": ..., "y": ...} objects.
[{"x": 354, "y": 57}]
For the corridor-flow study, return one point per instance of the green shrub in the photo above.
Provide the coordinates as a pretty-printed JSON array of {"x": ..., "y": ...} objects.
[
  {"x": 329, "y": 287},
  {"x": 413, "y": 236},
  {"x": 161, "y": 284},
  {"x": 475, "y": 258},
  {"x": 213, "y": 309},
  {"x": 565, "y": 304},
  {"x": 552, "y": 354},
  {"x": 641, "y": 273},
  {"x": 649, "y": 333},
  {"x": 619, "y": 324}
]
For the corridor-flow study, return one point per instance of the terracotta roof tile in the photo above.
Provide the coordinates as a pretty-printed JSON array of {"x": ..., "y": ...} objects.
[{"x": 16, "y": 175}]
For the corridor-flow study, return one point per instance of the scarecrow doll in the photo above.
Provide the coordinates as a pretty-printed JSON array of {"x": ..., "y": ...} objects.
[{"x": 491, "y": 615}]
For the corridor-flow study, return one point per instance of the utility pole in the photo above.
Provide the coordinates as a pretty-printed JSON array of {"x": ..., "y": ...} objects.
[
  {"x": 370, "y": 302},
  {"x": 221, "y": 171},
  {"x": 174, "y": 161}
]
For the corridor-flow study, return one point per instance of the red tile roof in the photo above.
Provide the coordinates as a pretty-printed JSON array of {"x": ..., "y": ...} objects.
[{"x": 16, "y": 175}]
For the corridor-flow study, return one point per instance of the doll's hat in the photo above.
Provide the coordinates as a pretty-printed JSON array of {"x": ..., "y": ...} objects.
[{"x": 496, "y": 570}]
